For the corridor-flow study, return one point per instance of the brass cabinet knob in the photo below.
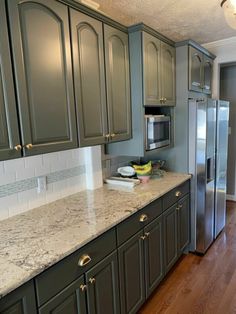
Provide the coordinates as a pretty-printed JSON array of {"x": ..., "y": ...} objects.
[
  {"x": 92, "y": 280},
  {"x": 143, "y": 218},
  {"x": 180, "y": 206},
  {"x": 113, "y": 135},
  {"x": 18, "y": 147},
  {"x": 147, "y": 234},
  {"x": 83, "y": 287},
  {"x": 178, "y": 193},
  {"x": 29, "y": 146},
  {"x": 143, "y": 237},
  {"x": 164, "y": 99},
  {"x": 84, "y": 260},
  {"x": 177, "y": 208},
  {"x": 161, "y": 100},
  {"x": 107, "y": 137}
]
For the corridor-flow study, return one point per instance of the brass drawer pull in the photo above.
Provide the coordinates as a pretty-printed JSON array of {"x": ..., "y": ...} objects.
[
  {"x": 18, "y": 147},
  {"x": 178, "y": 193},
  {"x": 147, "y": 234},
  {"x": 107, "y": 136},
  {"x": 143, "y": 218},
  {"x": 92, "y": 280},
  {"x": 29, "y": 146},
  {"x": 84, "y": 260},
  {"x": 143, "y": 237},
  {"x": 83, "y": 287},
  {"x": 113, "y": 135}
]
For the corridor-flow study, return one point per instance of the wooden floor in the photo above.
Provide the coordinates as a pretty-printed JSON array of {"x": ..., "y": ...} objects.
[{"x": 201, "y": 284}]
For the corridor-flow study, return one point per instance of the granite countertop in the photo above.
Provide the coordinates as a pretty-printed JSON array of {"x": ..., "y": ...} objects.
[{"x": 34, "y": 240}]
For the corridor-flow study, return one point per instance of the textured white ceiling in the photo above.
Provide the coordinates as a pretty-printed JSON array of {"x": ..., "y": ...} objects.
[{"x": 200, "y": 20}]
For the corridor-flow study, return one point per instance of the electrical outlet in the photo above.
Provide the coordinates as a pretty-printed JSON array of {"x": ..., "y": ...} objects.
[{"x": 42, "y": 184}]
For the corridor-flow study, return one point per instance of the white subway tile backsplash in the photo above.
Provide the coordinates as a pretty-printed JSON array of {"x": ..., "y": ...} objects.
[
  {"x": 59, "y": 165},
  {"x": 7, "y": 178},
  {"x": 50, "y": 159},
  {"x": 1, "y": 167},
  {"x": 66, "y": 173},
  {"x": 4, "y": 212},
  {"x": 12, "y": 166},
  {"x": 37, "y": 200},
  {"x": 25, "y": 173},
  {"x": 34, "y": 162},
  {"x": 42, "y": 171},
  {"x": 6, "y": 203}
]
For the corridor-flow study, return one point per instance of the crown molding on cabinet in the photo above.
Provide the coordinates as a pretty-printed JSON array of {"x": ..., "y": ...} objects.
[
  {"x": 151, "y": 31},
  {"x": 194, "y": 44},
  {"x": 95, "y": 14}
]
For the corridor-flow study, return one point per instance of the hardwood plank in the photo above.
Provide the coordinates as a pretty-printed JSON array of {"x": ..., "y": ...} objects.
[{"x": 201, "y": 284}]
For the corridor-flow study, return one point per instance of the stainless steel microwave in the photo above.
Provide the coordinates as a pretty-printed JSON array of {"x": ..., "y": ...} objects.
[{"x": 157, "y": 131}]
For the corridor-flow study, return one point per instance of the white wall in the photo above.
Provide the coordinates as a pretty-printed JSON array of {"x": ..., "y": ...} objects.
[{"x": 225, "y": 51}]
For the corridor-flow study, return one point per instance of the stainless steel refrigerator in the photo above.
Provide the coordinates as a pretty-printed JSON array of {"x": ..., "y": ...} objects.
[{"x": 208, "y": 138}]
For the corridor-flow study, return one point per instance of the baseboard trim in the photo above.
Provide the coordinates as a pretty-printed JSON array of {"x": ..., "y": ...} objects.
[{"x": 230, "y": 197}]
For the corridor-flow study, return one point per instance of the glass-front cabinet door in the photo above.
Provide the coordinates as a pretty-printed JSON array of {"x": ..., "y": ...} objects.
[{"x": 195, "y": 70}]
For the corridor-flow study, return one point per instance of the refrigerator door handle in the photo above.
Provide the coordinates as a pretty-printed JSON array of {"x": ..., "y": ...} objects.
[{"x": 210, "y": 169}]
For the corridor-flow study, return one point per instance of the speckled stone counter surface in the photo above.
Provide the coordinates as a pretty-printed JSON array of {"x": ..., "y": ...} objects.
[{"x": 33, "y": 241}]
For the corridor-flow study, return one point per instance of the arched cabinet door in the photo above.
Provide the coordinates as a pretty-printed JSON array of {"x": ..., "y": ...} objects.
[
  {"x": 9, "y": 136},
  {"x": 42, "y": 62},
  {"x": 89, "y": 78},
  {"x": 168, "y": 74},
  {"x": 118, "y": 83},
  {"x": 195, "y": 70},
  {"x": 151, "y": 70},
  {"x": 207, "y": 75}
]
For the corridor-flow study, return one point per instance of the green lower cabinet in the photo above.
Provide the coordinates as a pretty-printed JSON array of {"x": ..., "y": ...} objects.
[
  {"x": 95, "y": 292},
  {"x": 141, "y": 266},
  {"x": 103, "y": 287},
  {"x": 153, "y": 250},
  {"x": 183, "y": 224},
  {"x": 176, "y": 223},
  {"x": 131, "y": 270},
  {"x": 170, "y": 224},
  {"x": 70, "y": 300},
  {"x": 20, "y": 301}
]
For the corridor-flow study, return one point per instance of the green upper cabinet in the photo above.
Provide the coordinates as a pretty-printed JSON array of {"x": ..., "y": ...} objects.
[
  {"x": 9, "y": 136},
  {"x": 195, "y": 69},
  {"x": 158, "y": 72},
  {"x": 101, "y": 80},
  {"x": 151, "y": 69},
  {"x": 89, "y": 78},
  {"x": 200, "y": 71},
  {"x": 42, "y": 62},
  {"x": 168, "y": 74},
  {"x": 207, "y": 74},
  {"x": 118, "y": 83}
]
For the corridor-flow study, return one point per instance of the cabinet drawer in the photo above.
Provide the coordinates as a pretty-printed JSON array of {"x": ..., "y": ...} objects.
[
  {"x": 130, "y": 226},
  {"x": 174, "y": 195},
  {"x": 56, "y": 278}
]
